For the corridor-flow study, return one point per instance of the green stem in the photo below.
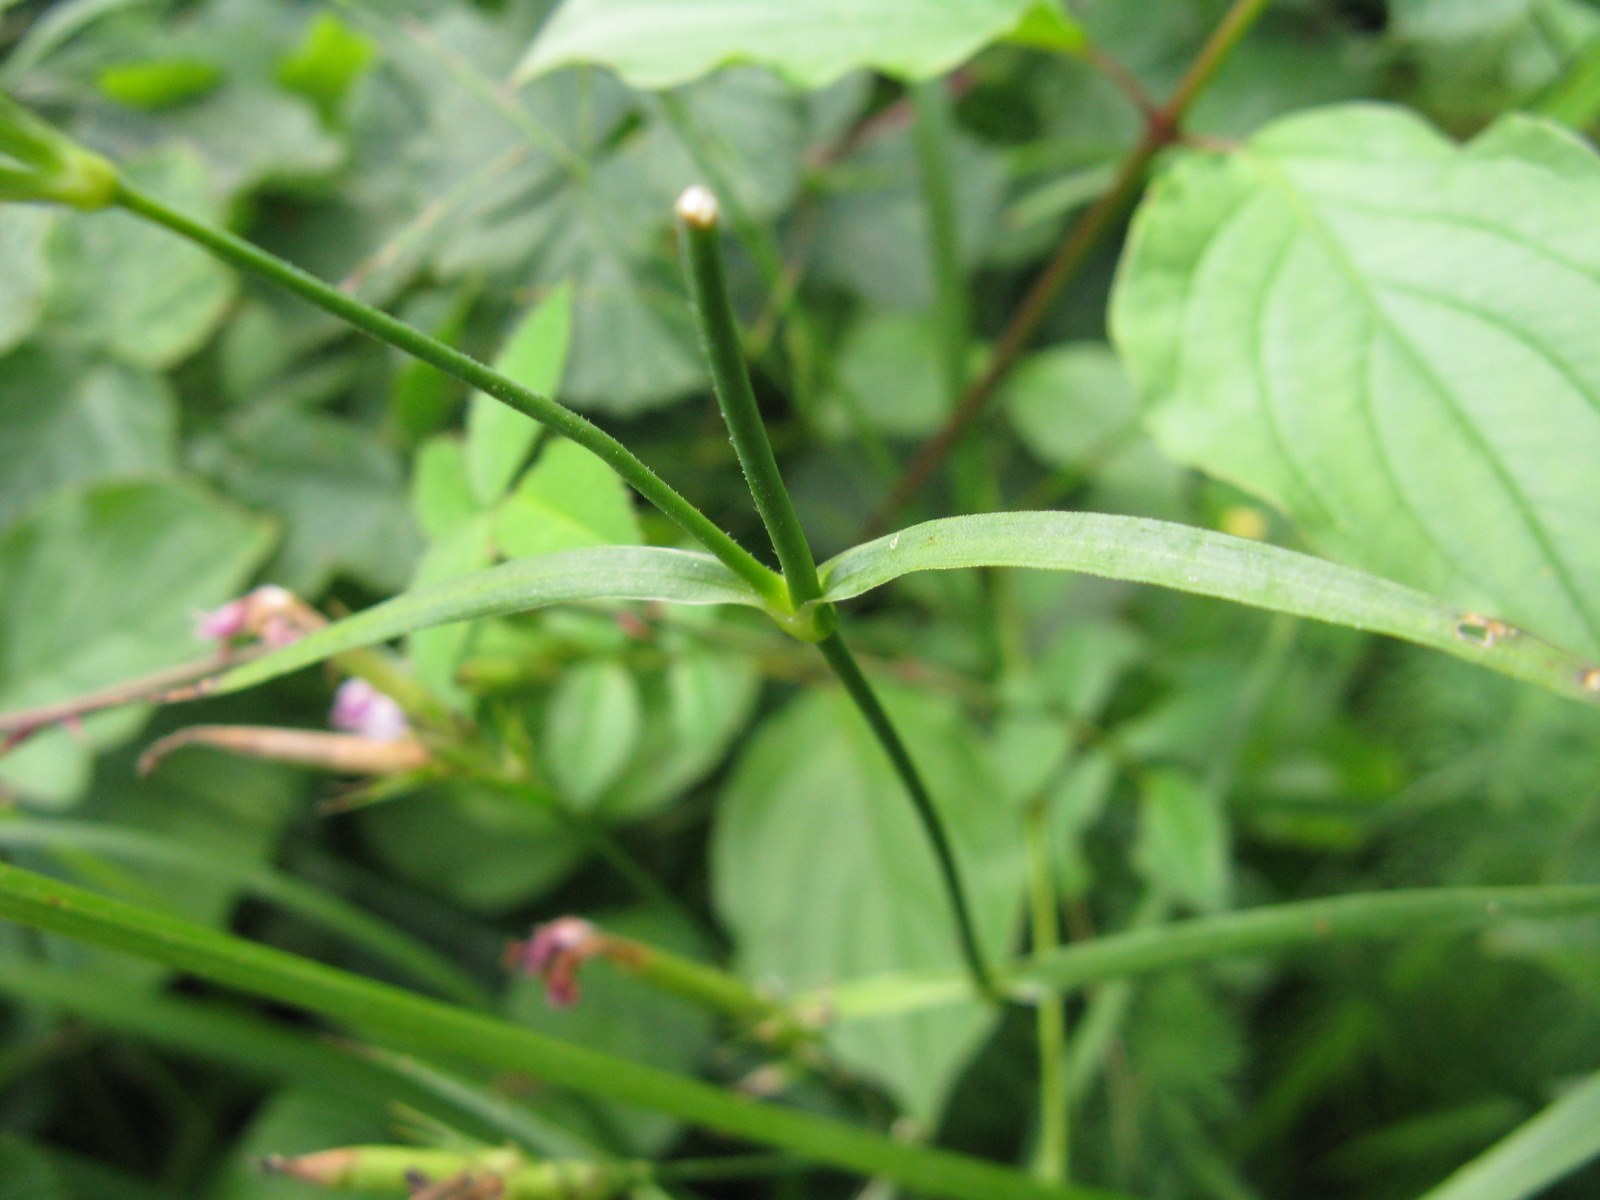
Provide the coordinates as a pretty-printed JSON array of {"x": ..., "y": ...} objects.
[
  {"x": 1103, "y": 1016},
  {"x": 240, "y": 253},
  {"x": 760, "y": 242},
  {"x": 1228, "y": 34},
  {"x": 697, "y": 211},
  {"x": 1045, "y": 928},
  {"x": 719, "y": 335},
  {"x": 1397, "y": 914},
  {"x": 860, "y": 691},
  {"x": 1270, "y": 929},
  {"x": 432, "y": 1027},
  {"x": 931, "y": 133},
  {"x": 709, "y": 987}
]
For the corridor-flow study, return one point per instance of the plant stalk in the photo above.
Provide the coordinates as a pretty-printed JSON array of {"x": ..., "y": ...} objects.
[
  {"x": 247, "y": 257},
  {"x": 952, "y": 318},
  {"x": 699, "y": 215},
  {"x": 697, "y": 211},
  {"x": 1051, "y": 1019},
  {"x": 860, "y": 691}
]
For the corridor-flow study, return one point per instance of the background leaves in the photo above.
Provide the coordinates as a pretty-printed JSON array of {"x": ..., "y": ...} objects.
[
  {"x": 684, "y": 773},
  {"x": 1386, "y": 335}
]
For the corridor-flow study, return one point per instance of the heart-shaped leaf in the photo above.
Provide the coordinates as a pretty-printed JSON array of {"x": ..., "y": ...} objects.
[
  {"x": 1392, "y": 338},
  {"x": 661, "y": 43}
]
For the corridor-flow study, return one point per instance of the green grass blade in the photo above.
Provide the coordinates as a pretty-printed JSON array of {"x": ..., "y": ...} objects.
[
  {"x": 430, "y": 1027},
  {"x": 592, "y": 573},
  {"x": 1209, "y": 564},
  {"x": 333, "y": 914},
  {"x": 1553, "y": 1144},
  {"x": 1269, "y": 929}
]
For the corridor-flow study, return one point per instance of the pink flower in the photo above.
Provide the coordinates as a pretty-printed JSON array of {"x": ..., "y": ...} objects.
[
  {"x": 270, "y": 613},
  {"x": 554, "y": 953},
  {"x": 358, "y": 707}
]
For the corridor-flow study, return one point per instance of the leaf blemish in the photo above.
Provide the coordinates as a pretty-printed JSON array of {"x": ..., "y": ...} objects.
[
  {"x": 1589, "y": 680},
  {"x": 1483, "y": 631}
]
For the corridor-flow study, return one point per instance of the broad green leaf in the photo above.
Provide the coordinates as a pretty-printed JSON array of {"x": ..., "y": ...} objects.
[
  {"x": 428, "y": 1026},
  {"x": 692, "y": 714},
  {"x": 878, "y": 188},
  {"x": 661, "y": 43},
  {"x": 1552, "y": 1145},
  {"x": 102, "y": 586},
  {"x": 339, "y": 491},
  {"x": 1208, "y": 564},
  {"x": 1445, "y": 19},
  {"x": 597, "y": 573},
  {"x": 436, "y": 653},
  {"x": 567, "y": 499},
  {"x": 1072, "y": 404},
  {"x": 26, "y": 1173},
  {"x": 888, "y": 366},
  {"x": 441, "y": 494},
  {"x": 1182, "y": 849},
  {"x": 603, "y": 231},
  {"x": 460, "y": 541},
  {"x": 66, "y": 421},
  {"x": 133, "y": 289},
  {"x": 486, "y": 851},
  {"x": 535, "y": 355},
  {"x": 1391, "y": 338},
  {"x": 591, "y": 728},
  {"x": 823, "y": 873}
]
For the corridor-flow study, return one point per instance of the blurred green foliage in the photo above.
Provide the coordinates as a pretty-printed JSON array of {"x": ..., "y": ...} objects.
[{"x": 169, "y": 433}]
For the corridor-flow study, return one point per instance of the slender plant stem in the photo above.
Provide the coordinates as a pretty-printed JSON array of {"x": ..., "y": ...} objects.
[
  {"x": 1051, "y": 1018},
  {"x": 760, "y": 241},
  {"x": 543, "y": 409},
  {"x": 1103, "y": 1016},
  {"x": 1268, "y": 929},
  {"x": 860, "y": 691},
  {"x": 697, "y": 210},
  {"x": 1230, "y": 31},
  {"x": 931, "y": 134},
  {"x": 1163, "y": 126},
  {"x": 698, "y": 213}
]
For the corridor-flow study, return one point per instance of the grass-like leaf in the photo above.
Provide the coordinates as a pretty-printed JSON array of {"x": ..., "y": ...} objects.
[
  {"x": 332, "y": 913},
  {"x": 1553, "y": 1144},
  {"x": 430, "y": 1027},
  {"x": 596, "y": 573},
  {"x": 1209, "y": 564}
]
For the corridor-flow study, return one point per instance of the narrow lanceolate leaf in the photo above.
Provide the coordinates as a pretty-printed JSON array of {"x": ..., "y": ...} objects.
[
  {"x": 662, "y": 43},
  {"x": 431, "y": 1027},
  {"x": 1392, "y": 337},
  {"x": 1552, "y": 1145},
  {"x": 599, "y": 573},
  {"x": 1209, "y": 564}
]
